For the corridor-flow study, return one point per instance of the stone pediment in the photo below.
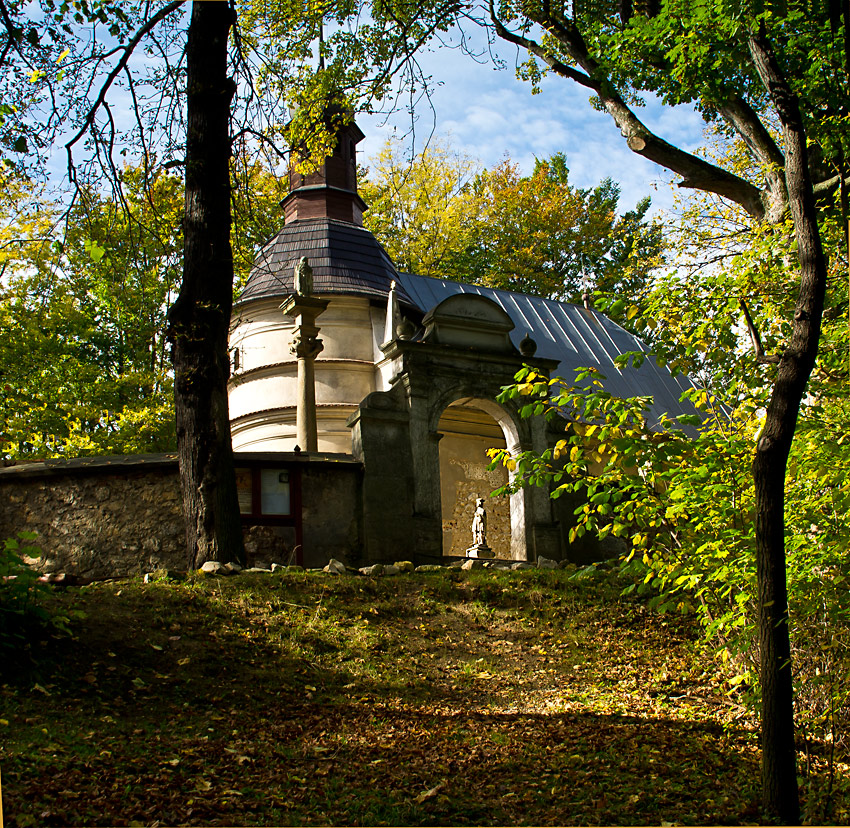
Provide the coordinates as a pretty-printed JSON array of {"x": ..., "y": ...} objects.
[{"x": 467, "y": 320}]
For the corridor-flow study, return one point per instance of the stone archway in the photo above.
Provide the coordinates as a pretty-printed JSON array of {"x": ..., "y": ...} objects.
[
  {"x": 465, "y": 354},
  {"x": 467, "y": 432}
]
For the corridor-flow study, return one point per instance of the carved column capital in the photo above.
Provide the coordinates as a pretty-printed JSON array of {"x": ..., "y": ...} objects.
[{"x": 305, "y": 345}]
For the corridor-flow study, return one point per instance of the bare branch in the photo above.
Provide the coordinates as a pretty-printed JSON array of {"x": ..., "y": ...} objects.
[
  {"x": 761, "y": 357},
  {"x": 137, "y": 112},
  {"x": 538, "y": 51},
  {"x": 125, "y": 57},
  {"x": 262, "y": 138}
]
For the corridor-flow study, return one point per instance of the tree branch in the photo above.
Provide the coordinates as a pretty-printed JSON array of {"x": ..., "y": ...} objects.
[
  {"x": 695, "y": 172},
  {"x": 828, "y": 186},
  {"x": 125, "y": 57},
  {"x": 761, "y": 357},
  {"x": 538, "y": 51},
  {"x": 759, "y": 141}
]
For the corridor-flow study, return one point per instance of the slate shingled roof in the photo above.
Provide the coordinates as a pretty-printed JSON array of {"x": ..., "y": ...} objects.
[{"x": 345, "y": 258}]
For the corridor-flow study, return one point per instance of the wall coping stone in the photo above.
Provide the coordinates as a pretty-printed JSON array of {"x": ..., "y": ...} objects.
[{"x": 111, "y": 464}]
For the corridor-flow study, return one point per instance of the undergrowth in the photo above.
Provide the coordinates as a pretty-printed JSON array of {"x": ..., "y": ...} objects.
[{"x": 459, "y": 698}]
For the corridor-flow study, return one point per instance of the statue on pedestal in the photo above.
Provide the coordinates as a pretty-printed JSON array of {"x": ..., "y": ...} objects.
[
  {"x": 303, "y": 279},
  {"x": 479, "y": 548}
]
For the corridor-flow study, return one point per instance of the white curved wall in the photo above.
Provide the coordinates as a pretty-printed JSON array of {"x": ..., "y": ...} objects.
[{"x": 262, "y": 392}]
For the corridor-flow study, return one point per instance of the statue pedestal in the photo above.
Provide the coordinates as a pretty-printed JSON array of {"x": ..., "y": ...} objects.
[{"x": 480, "y": 550}]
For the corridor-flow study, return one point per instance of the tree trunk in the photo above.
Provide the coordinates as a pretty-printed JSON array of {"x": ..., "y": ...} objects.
[
  {"x": 779, "y": 771},
  {"x": 200, "y": 317}
]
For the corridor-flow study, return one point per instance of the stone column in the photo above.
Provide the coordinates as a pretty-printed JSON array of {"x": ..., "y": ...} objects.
[{"x": 306, "y": 346}]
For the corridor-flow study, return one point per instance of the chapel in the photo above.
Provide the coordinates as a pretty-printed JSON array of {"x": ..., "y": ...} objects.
[{"x": 391, "y": 379}]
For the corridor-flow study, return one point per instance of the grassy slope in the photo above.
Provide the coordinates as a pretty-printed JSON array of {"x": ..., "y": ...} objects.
[{"x": 470, "y": 698}]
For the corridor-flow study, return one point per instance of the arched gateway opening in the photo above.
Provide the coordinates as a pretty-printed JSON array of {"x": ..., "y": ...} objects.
[
  {"x": 466, "y": 433},
  {"x": 467, "y": 428}
]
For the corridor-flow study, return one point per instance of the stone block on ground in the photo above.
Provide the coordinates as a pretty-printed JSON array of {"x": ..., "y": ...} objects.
[
  {"x": 214, "y": 568},
  {"x": 233, "y": 567},
  {"x": 335, "y": 567},
  {"x": 546, "y": 563},
  {"x": 390, "y": 569},
  {"x": 522, "y": 565},
  {"x": 373, "y": 571},
  {"x": 430, "y": 568},
  {"x": 404, "y": 566},
  {"x": 472, "y": 563}
]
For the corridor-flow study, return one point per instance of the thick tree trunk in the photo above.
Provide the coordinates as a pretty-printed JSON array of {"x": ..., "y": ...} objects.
[
  {"x": 779, "y": 778},
  {"x": 200, "y": 318},
  {"x": 779, "y": 772}
]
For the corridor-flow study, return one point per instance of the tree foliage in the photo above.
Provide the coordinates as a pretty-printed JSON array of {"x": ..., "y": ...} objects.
[
  {"x": 684, "y": 501},
  {"x": 424, "y": 212},
  {"x": 442, "y": 215},
  {"x": 85, "y": 367},
  {"x": 683, "y": 505}
]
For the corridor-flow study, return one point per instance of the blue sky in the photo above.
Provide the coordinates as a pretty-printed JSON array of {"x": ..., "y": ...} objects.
[{"x": 490, "y": 113}]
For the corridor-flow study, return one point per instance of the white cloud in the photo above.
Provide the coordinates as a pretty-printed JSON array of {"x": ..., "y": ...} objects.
[{"x": 491, "y": 113}]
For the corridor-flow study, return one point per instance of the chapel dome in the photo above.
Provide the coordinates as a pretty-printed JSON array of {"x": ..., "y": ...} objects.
[
  {"x": 323, "y": 221},
  {"x": 346, "y": 259}
]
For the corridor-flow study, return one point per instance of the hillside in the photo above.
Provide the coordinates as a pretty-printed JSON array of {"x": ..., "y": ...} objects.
[{"x": 447, "y": 698}]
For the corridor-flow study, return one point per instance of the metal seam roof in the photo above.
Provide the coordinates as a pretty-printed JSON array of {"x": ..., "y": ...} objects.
[{"x": 574, "y": 336}]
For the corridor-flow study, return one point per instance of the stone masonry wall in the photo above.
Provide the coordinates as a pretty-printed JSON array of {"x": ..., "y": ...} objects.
[
  {"x": 123, "y": 516},
  {"x": 98, "y": 525}
]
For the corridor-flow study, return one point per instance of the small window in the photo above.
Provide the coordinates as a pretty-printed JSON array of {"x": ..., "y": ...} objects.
[
  {"x": 263, "y": 492},
  {"x": 274, "y": 491},
  {"x": 244, "y": 491}
]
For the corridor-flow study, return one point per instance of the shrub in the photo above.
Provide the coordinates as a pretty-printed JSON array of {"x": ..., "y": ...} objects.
[{"x": 20, "y": 592}]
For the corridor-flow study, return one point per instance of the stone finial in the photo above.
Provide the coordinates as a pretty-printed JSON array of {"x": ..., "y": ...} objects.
[
  {"x": 393, "y": 315},
  {"x": 527, "y": 347},
  {"x": 405, "y": 329},
  {"x": 303, "y": 281}
]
